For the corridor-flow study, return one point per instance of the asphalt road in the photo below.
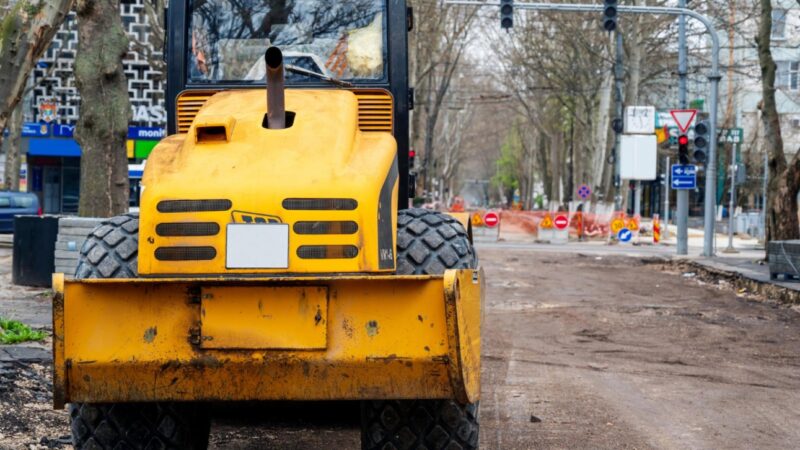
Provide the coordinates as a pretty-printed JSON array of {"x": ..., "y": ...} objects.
[{"x": 579, "y": 351}]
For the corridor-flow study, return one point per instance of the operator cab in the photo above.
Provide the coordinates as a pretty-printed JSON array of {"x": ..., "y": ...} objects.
[{"x": 215, "y": 45}]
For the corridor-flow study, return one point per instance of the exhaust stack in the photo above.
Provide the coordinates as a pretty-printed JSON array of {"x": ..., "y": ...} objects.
[{"x": 276, "y": 106}]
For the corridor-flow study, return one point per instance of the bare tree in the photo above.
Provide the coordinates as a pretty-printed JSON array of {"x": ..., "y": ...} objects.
[
  {"x": 27, "y": 27},
  {"x": 105, "y": 108},
  {"x": 437, "y": 45}
]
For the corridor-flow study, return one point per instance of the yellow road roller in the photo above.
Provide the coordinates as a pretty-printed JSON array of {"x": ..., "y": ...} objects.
[{"x": 274, "y": 256}]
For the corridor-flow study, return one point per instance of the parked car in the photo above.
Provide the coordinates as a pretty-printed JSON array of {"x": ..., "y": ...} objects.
[{"x": 15, "y": 204}]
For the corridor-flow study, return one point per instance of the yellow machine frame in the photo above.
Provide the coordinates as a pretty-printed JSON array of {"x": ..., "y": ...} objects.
[{"x": 267, "y": 338}]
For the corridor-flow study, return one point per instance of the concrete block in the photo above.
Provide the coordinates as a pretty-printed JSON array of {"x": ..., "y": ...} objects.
[
  {"x": 70, "y": 245},
  {"x": 78, "y": 222},
  {"x": 75, "y": 232}
]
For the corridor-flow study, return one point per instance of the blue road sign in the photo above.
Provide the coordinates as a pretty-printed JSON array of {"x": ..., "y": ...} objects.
[
  {"x": 625, "y": 235},
  {"x": 584, "y": 192},
  {"x": 684, "y": 176},
  {"x": 35, "y": 129}
]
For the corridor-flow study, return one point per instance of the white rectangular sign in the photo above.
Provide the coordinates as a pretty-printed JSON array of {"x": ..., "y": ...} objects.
[
  {"x": 640, "y": 119},
  {"x": 257, "y": 246},
  {"x": 637, "y": 157}
]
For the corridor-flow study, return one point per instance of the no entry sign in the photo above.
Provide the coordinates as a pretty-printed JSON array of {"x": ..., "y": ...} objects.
[
  {"x": 491, "y": 219},
  {"x": 561, "y": 222}
]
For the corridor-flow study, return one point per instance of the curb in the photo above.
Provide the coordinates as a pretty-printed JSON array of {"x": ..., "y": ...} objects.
[
  {"x": 782, "y": 294},
  {"x": 25, "y": 354}
]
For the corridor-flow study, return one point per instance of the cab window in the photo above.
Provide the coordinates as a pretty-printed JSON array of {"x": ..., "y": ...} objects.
[{"x": 345, "y": 40}]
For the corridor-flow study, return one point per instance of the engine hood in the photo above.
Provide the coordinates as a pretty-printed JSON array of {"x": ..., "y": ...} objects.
[{"x": 227, "y": 154}]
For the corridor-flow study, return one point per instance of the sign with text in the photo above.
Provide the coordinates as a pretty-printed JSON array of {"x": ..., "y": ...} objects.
[
  {"x": 150, "y": 133},
  {"x": 684, "y": 176},
  {"x": 35, "y": 129},
  {"x": 65, "y": 130},
  {"x": 640, "y": 119}
]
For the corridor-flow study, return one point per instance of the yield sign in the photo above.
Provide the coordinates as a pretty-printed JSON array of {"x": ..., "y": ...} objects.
[{"x": 683, "y": 117}]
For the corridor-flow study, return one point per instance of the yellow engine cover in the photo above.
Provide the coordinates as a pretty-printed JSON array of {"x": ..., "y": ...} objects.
[{"x": 333, "y": 186}]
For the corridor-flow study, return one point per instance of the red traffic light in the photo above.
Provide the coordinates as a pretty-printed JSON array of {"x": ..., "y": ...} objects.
[
  {"x": 412, "y": 153},
  {"x": 683, "y": 140}
]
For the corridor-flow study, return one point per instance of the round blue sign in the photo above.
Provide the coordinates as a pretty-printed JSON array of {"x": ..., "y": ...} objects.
[
  {"x": 625, "y": 235},
  {"x": 584, "y": 192}
]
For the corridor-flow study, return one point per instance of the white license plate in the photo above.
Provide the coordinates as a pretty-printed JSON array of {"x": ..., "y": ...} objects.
[{"x": 257, "y": 246}]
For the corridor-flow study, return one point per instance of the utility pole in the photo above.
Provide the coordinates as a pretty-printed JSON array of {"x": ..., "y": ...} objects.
[
  {"x": 732, "y": 206},
  {"x": 667, "y": 181},
  {"x": 619, "y": 79},
  {"x": 682, "y": 213}
]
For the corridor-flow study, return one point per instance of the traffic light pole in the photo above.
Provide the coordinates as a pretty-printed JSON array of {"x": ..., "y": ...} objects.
[
  {"x": 682, "y": 213},
  {"x": 714, "y": 77}
]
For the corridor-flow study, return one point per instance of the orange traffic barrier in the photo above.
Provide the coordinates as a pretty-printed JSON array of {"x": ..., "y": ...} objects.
[{"x": 656, "y": 229}]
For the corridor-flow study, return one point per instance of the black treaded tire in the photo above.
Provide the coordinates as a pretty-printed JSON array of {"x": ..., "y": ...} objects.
[
  {"x": 160, "y": 425},
  {"x": 428, "y": 242},
  {"x": 111, "y": 251}
]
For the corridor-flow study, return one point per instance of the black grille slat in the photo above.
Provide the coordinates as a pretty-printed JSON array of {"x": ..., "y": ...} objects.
[
  {"x": 327, "y": 251},
  {"x": 185, "y": 253},
  {"x": 320, "y": 204},
  {"x": 187, "y": 229},
  {"x": 174, "y": 206},
  {"x": 326, "y": 227}
]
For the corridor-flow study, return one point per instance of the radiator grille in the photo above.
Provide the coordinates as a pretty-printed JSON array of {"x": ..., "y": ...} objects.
[
  {"x": 327, "y": 251},
  {"x": 185, "y": 253},
  {"x": 320, "y": 204},
  {"x": 326, "y": 227},
  {"x": 175, "y": 206},
  {"x": 374, "y": 109},
  {"x": 188, "y": 105},
  {"x": 187, "y": 229}
]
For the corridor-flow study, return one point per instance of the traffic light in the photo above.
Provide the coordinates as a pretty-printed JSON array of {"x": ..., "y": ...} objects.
[
  {"x": 411, "y": 155},
  {"x": 506, "y": 14},
  {"x": 610, "y": 15},
  {"x": 683, "y": 149},
  {"x": 701, "y": 141}
]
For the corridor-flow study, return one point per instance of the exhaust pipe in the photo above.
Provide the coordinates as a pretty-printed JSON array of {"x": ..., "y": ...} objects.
[{"x": 276, "y": 106}]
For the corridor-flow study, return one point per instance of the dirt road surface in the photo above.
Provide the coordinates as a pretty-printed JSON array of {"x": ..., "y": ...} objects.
[{"x": 579, "y": 352}]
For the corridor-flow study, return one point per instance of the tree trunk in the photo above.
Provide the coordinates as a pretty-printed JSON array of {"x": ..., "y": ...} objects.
[
  {"x": 105, "y": 108},
  {"x": 543, "y": 152},
  {"x": 555, "y": 168},
  {"x": 25, "y": 33},
  {"x": 635, "y": 56},
  {"x": 602, "y": 125},
  {"x": 781, "y": 214},
  {"x": 13, "y": 161}
]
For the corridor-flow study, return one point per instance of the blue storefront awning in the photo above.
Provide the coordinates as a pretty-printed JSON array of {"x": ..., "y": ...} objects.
[{"x": 54, "y": 147}]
